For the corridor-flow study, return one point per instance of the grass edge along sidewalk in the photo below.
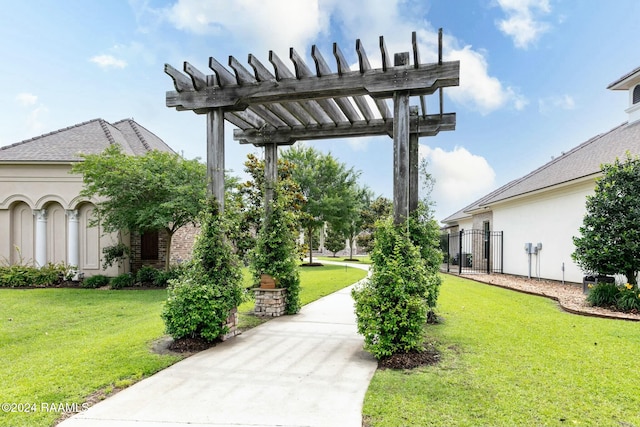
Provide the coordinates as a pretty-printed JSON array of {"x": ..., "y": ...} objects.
[{"x": 59, "y": 346}]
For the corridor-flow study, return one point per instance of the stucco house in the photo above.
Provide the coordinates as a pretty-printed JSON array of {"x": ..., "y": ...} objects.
[
  {"x": 546, "y": 207},
  {"x": 42, "y": 216}
]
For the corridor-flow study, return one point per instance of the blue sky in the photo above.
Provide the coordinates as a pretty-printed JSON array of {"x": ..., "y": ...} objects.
[{"x": 533, "y": 72}]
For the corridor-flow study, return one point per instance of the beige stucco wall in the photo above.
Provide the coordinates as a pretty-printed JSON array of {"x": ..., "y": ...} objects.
[{"x": 25, "y": 188}]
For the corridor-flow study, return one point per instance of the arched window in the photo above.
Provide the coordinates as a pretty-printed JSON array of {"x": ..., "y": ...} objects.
[{"x": 636, "y": 94}]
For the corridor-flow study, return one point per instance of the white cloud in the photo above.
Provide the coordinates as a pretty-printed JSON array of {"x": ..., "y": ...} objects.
[
  {"x": 26, "y": 99},
  {"x": 564, "y": 102},
  {"x": 478, "y": 89},
  {"x": 36, "y": 114},
  {"x": 108, "y": 61},
  {"x": 269, "y": 24},
  {"x": 461, "y": 177},
  {"x": 522, "y": 23},
  {"x": 277, "y": 25},
  {"x": 359, "y": 144},
  {"x": 36, "y": 118}
]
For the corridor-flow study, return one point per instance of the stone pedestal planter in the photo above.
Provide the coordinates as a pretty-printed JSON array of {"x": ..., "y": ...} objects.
[{"x": 270, "y": 302}]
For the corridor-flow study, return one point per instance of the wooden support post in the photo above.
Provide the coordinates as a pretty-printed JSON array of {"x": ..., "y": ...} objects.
[
  {"x": 401, "y": 148},
  {"x": 215, "y": 155},
  {"x": 270, "y": 174},
  {"x": 413, "y": 163}
]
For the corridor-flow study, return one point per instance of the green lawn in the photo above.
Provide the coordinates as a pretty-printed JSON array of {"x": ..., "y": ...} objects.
[
  {"x": 511, "y": 359},
  {"x": 361, "y": 259},
  {"x": 61, "y": 345}
]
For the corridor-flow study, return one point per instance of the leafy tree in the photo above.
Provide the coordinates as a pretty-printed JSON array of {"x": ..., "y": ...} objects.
[
  {"x": 328, "y": 187},
  {"x": 355, "y": 219},
  {"x": 158, "y": 191},
  {"x": 246, "y": 202},
  {"x": 378, "y": 209},
  {"x": 609, "y": 241},
  {"x": 202, "y": 298},
  {"x": 335, "y": 240}
]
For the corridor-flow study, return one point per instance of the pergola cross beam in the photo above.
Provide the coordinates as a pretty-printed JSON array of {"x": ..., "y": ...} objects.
[{"x": 313, "y": 102}]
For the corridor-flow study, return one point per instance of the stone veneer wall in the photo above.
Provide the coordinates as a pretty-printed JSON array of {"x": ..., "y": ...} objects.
[
  {"x": 270, "y": 302},
  {"x": 232, "y": 324}
]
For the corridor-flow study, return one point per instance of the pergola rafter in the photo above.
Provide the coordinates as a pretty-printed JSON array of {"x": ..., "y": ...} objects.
[{"x": 300, "y": 102}]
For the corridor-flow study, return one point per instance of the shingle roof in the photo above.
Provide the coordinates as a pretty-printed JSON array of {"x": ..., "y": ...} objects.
[
  {"x": 90, "y": 137},
  {"x": 582, "y": 161}
]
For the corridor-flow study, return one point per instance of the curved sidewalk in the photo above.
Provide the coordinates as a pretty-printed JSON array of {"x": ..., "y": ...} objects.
[{"x": 303, "y": 370}]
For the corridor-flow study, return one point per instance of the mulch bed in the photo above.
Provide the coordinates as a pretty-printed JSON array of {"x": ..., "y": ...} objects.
[
  {"x": 190, "y": 345},
  {"x": 411, "y": 360}
]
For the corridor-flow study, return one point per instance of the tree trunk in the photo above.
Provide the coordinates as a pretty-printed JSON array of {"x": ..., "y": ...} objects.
[
  {"x": 167, "y": 259},
  {"x": 310, "y": 234}
]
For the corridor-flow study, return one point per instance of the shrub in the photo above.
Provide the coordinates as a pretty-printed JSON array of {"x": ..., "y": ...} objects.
[
  {"x": 115, "y": 254},
  {"x": 603, "y": 295},
  {"x": 202, "y": 298},
  {"x": 424, "y": 233},
  {"x": 391, "y": 307},
  {"x": 195, "y": 309},
  {"x": 163, "y": 277},
  {"x": 628, "y": 299},
  {"x": 122, "y": 281},
  {"x": 623, "y": 298},
  {"x": 96, "y": 281},
  {"x": 146, "y": 275},
  {"x": 16, "y": 276}
]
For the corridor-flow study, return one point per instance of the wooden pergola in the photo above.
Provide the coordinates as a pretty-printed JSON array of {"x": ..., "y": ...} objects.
[{"x": 284, "y": 106}]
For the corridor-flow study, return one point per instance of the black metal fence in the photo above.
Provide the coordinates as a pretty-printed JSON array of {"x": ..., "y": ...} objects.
[{"x": 472, "y": 251}]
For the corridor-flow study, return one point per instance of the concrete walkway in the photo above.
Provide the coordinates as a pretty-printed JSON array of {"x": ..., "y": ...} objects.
[{"x": 303, "y": 370}]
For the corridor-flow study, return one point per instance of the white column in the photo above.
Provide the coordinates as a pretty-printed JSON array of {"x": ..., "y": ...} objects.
[
  {"x": 73, "y": 240},
  {"x": 41, "y": 237},
  {"x": 323, "y": 233}
]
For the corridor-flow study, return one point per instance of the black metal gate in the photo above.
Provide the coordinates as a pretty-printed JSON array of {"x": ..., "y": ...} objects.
[{"x": 472, "y": 251}]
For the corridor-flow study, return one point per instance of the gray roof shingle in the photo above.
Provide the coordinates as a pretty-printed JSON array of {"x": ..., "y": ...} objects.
[
  {"x": 582, "y": 161},
  {"x": 90, "y": 137}
]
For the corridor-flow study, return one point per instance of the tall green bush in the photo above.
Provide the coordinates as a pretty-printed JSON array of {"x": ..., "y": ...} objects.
[
  {"x": 202, "y": 298},
  {"x": 276, "y": 254},
  {"x": 424, "y": 233},
  {"x": 391, "y": 307},
  {"x": 609, "y": 241}
]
